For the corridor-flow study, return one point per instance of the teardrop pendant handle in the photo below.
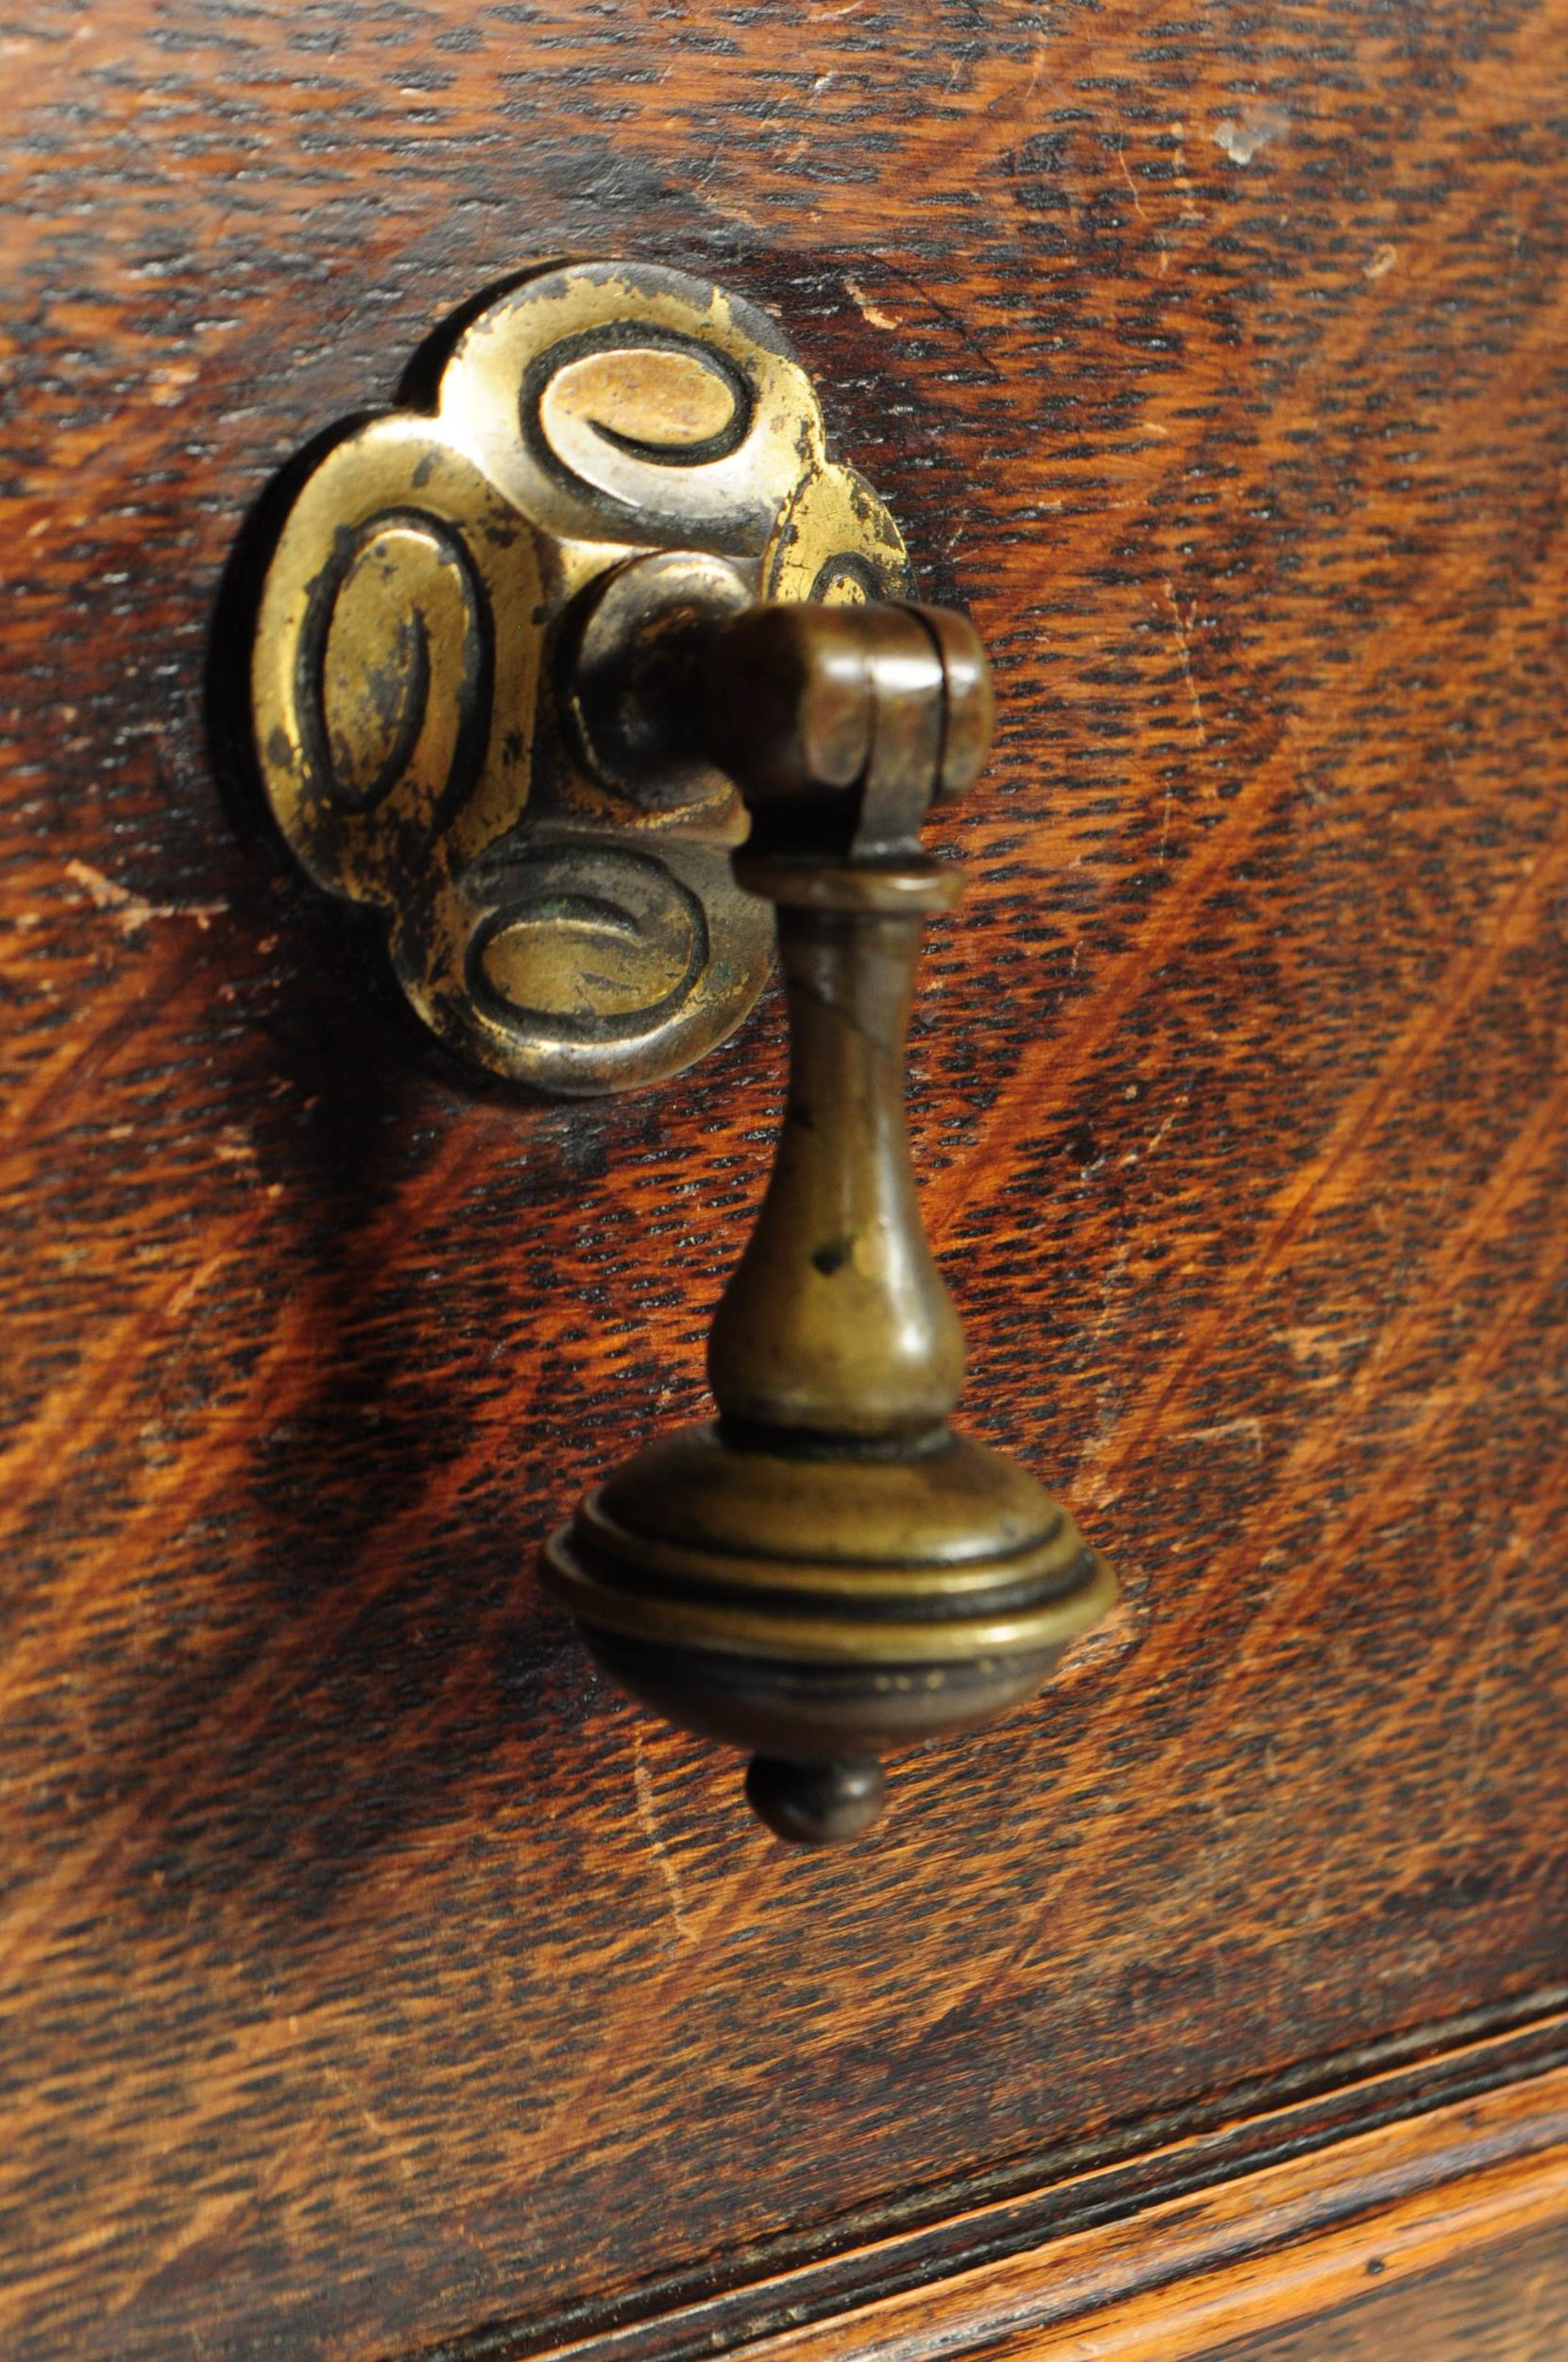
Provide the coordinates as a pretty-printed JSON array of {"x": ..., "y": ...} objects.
[{"x": 828, "y": 1572}]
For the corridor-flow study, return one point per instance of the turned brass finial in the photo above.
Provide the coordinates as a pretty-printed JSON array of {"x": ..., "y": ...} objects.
[{"x": 828, "y": 1572}]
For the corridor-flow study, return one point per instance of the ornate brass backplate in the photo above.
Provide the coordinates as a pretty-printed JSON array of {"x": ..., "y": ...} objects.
[{"x": 554, "y": 919}]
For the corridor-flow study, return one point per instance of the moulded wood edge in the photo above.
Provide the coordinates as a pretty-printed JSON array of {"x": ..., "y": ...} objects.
[
  {"x": 1263, "y": 2215},
  {"x": 1268, "y": 2250}
]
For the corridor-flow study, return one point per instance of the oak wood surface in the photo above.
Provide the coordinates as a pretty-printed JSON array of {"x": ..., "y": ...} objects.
[
  {"x": 1281, "y": 2258},
  {"x": 1507, "y": 2303},
  {"x": 369, "y": 1971},
  {"x": 1269, "y": 2217}
]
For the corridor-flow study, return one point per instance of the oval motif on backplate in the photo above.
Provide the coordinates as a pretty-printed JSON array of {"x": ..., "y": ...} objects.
[
  {"x": 607, "y": 413},
  {"x": 594, "y": 945},
  {"x": 836, "y": 543},
  {"x": 847, "y": 579},
  {"x": 657, "y": 399},
  {"x": 401, "y": 602}
]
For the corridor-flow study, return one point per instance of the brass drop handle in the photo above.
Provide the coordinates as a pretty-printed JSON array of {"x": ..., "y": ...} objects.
[
  {"x": 827, "y": 1571},
  {"x": 570, "y": 678}
]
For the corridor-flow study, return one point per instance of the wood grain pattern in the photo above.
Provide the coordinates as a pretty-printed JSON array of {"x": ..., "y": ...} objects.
[
  {"x": 1507, "y": 2303},
  {"x": 1284, "y": 2253},
  {"x": 1503, "y": 2303},
  {"x": 1169, "y": 2237},
  {"x": 368, "y": 1972}
]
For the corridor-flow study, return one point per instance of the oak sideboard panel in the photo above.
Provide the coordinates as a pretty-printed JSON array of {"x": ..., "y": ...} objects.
[{"x": 369, "y": 1972}]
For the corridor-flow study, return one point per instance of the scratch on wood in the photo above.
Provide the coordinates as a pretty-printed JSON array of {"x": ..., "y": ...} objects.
[
  {"x": 1183, "y": 624},
  {"x": 132, "y": 910},
  {"x": 869, "y": 310},
  {"x": 647, "y": 1822},
  {"x": 1140, "y": 209},
  {"x": 1251, "y": 1428}
]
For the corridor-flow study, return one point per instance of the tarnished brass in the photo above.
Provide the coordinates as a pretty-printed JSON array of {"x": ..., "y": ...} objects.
[
  {"x": 828, "y": 1572},
  {"x": 567, "y": 921},
  {"x": 575, "y": 679}
]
